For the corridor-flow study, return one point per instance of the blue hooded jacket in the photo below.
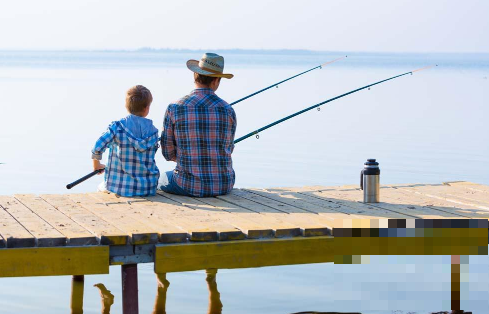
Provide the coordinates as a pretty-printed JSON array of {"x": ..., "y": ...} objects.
[{"x": 131, "y": 168}]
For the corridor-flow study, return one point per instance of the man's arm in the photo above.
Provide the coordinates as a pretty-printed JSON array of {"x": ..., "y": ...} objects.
[
  {"x": 100, "y": 147},
  {"x": 168, "y": 143}
]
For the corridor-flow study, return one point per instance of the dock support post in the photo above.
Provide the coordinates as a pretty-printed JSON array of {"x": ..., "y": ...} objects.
[
  {"x": 455, "y": 283},
  {"x": 129, "y": 275},
  {"x": 77, "y": 285}
]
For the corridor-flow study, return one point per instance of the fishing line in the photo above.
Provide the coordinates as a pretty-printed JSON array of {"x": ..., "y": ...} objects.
[
  {"x": 292, "y": 77},
  {"x": 324, "y": 102}
]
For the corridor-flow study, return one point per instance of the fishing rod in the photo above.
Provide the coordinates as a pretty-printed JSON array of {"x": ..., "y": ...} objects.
[
  {"x": 292, "y": 77},
  {"x": 324, "y": 102},
  {"x": 88, "y": 176}
]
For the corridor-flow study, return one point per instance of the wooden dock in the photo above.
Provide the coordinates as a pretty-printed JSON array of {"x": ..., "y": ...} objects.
[{"x": 83, "y": 234}]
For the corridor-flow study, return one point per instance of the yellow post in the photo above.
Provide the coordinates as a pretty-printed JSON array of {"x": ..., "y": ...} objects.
[
  {"x": 77, "y": 284},
  {"x": 455, "y": 282}
]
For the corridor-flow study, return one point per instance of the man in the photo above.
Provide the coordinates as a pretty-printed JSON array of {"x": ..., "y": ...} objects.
[{"x": 198, "y": 134}]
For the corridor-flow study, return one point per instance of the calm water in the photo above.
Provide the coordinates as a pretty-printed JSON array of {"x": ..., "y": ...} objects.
[{"x": 430, "y": 127}]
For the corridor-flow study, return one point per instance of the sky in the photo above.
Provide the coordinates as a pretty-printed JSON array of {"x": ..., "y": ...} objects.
[{"x": 353, "y": 25}]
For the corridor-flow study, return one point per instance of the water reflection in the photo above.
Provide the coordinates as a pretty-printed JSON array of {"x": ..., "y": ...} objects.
[
  {"x": 215, "y": 304},
  {"x": 160, "y": 301},
  {"x": 106, "y": 296}
]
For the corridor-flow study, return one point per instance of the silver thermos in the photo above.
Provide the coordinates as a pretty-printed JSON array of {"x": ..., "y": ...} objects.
[{"x": 370, "y": 181}]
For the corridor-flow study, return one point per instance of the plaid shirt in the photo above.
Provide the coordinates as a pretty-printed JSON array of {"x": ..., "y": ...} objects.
[
  {"x": 198, "y": 133},
  {"x": 131, "y": 168}
]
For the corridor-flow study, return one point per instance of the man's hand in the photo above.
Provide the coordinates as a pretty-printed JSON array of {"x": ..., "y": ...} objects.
[{"x": 97, "y": 165}]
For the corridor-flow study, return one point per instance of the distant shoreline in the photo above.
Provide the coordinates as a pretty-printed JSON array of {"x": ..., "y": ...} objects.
[{"x": 244, "y": 51}]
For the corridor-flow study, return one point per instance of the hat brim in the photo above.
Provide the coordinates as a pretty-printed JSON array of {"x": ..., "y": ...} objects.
[{"x": 193, "y": 65}]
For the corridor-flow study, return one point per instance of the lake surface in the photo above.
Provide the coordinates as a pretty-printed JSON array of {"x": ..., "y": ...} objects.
[{"x": 430, "y": 127}]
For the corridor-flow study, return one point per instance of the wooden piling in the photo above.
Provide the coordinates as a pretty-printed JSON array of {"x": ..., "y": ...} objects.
[
  {"x": 455, "y": 282},
  {"x": 130, "y": 304},
  {"x": 77, "y": 285}
]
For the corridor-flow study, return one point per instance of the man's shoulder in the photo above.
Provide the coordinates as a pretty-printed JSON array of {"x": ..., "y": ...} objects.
[{"x": 182, "y": 101}]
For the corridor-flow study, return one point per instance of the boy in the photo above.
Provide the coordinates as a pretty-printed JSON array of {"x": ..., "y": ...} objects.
[{"x": 133, "y": 142}]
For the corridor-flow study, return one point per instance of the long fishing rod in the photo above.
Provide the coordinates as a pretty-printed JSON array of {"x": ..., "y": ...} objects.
[
  {"x": 324, "y": 102},
  {"x": 292, "y": 77}
]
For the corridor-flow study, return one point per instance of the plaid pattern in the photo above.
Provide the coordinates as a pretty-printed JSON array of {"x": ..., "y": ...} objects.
[
  {"x": 198, "y": 133},
  {"x": 131, "y": 168}
]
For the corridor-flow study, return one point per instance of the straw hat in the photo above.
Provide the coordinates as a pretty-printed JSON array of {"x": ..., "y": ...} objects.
[{"x": 210, "y": 64}]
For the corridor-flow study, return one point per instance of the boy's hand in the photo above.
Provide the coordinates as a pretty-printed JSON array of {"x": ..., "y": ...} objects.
[{"x": 97, "y": 166}]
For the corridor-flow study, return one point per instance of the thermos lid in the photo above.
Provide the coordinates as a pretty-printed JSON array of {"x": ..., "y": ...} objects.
[{"x": 371, "y": 162}]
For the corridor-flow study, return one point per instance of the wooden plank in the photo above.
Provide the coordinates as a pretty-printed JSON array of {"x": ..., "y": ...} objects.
[
  {"x": 441, "y": 204},
  {"x": 365, "y": 211},
  {"x": 167, "y": 232},
  {"x": 13, "y": 233},
  {"x": 45, "y": 234},
  {"x": 390, "y": 201},
  {"x": 243, "y": 254},
  {"x": 470, "y": 186},
  {"x": 107, "y": 233},
  {"x": 297, "y": 200},
  {"x": 443, "y": 192},
  {"x": 76, "y": 235},
  {"x": 418, "y": 206},
  {"x": 434, "y": 241},
  {"x": 310, "y": 224},
  {"x": 280, "y": 228},
  {"x": 198, "y": 228},
  {"x": 251, "y": 229},
  {"x": 58, "y": 261},
  {"x": 477, "y": 198},
  {"x": 283, "y": 220},
  {"x": 212, "y": 215},
  {"x": 140, "y": 233},
  {"x": 327, "y": 207}
]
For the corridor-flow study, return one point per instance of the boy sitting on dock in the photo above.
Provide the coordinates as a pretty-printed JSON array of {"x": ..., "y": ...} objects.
[{"x": 133, "y": 142}]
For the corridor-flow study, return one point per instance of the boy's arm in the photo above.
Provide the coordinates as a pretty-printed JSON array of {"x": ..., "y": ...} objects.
[
  {"x": 168, "y": 143},
  {"x": 100, "y": 147}
]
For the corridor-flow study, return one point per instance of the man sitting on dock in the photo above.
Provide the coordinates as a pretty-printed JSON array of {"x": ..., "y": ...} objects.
[{"x": 198, "y": 134}]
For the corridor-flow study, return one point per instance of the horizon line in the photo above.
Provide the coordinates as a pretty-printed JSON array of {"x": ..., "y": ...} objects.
[{"x": 242, "y": 50}]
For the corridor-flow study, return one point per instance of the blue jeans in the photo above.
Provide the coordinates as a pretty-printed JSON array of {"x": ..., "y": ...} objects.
[{"x": 168, "y": 185}]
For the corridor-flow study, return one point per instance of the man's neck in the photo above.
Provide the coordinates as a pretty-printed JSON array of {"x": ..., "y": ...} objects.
[{"x": 198, "y": 85}]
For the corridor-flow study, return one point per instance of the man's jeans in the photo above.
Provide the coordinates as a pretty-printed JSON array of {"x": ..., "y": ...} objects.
[{"x": 167, "y": 184}]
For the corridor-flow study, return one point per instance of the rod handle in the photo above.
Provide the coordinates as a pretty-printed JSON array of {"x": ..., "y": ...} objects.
[{"x": 88, "y": 176}]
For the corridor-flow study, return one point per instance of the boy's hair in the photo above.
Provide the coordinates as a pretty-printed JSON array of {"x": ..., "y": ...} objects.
[
  {"x": 203, "y": 79},
  {"x": 137, "y": 99}
]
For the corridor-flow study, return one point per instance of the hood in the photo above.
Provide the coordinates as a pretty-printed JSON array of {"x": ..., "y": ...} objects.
[{"x": 141, "y": 132}]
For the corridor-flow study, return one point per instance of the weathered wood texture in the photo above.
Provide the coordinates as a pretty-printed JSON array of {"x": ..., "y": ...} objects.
[
  {"x": 243, "y": 254},
  {"x": 45, "y": 234},
  {"x": 449, "y": 218},
  {"x": 54, "y": 261},
  {"x": 99, "y": 218}
]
